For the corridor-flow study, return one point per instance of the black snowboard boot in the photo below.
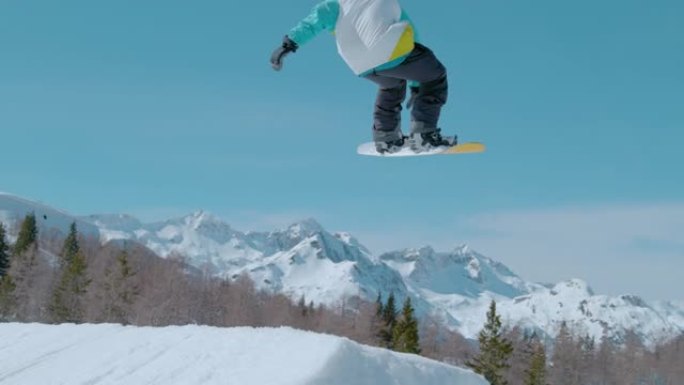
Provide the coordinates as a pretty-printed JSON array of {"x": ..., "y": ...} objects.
[
  {"x": 420, "y": 142},
  {"x": 389, "y": 147}
]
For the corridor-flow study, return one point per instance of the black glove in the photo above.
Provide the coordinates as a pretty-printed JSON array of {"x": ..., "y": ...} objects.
[{"x": 280, "y": 52}]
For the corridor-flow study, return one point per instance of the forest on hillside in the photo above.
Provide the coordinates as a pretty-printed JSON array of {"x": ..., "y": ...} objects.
[{"x": 57, "y": 278}]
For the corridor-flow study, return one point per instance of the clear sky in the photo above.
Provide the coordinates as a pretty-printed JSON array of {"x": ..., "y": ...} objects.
[{"x": 158, "y": 108}]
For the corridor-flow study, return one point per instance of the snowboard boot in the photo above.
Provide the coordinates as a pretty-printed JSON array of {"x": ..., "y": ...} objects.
[
  {"x": 389, "y": 147},
  {"x": 419, "y": 142}
]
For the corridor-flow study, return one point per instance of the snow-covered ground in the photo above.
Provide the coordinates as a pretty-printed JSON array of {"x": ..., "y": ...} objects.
[{"x": 185, "y": 355}]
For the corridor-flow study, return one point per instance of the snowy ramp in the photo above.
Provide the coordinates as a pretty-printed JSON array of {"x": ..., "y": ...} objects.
[{"x": 114, "y": 354}]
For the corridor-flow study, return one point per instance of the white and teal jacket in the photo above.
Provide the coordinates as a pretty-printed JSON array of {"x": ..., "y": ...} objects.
[{"x": 371, "y": 34}]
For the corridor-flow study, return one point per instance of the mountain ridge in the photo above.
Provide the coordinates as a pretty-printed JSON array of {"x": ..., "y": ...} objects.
[{"x": 305, "y": 260}]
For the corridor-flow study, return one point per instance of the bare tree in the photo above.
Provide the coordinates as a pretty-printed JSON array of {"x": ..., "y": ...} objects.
[
  {"x": 33, "y": 277},
  {"x": 119, "y": 290}
]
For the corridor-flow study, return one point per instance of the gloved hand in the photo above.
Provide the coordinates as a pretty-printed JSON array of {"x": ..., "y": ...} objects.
[{"x": 282, "y": 51}]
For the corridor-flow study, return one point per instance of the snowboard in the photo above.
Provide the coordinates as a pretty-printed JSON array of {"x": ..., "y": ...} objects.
[{"x": 368, "y": 149}]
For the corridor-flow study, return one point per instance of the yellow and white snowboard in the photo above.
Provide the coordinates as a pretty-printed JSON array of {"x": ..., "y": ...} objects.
[{"x": 368, "y": 149}]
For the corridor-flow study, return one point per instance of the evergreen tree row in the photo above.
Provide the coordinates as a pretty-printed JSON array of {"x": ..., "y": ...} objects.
[
  {"x": 397, "y": 331},
  {"x": 32, "y": 290}
]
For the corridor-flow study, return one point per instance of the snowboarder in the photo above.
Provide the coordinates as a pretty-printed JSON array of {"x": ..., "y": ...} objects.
[{"x": 379, "y": 42}]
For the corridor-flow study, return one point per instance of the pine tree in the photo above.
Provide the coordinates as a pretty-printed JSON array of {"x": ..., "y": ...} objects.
[
  {"x": 120, "y": 291},
  {"x": 66, "y": 305},
  {"x": 26, "y": 271},
  {"x": 379, "y": 308},
  {"x": 389, "y": 312},
  {"x": 7, "y": 286},
  {"x": 536, "y": 373},
  {"x": 495, "y": 350},
  {"x": 389, "y": 321},
  {"x": 67, "y": 297},
  {"x": 377, "y": 323},
  {"x": 4, "y": 252},
  {"x": 71, "y": 246},
  {"x": 25, "y": 251},
  {"x": 405, "y": 334},
  {"x": 28, "y": 235}
]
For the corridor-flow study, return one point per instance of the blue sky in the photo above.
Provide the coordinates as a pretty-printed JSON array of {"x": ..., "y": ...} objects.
[{"x": 160, "y": 108}]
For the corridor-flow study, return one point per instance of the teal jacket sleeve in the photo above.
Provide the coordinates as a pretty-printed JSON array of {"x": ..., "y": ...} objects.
[{"x": 322, "y": 18}]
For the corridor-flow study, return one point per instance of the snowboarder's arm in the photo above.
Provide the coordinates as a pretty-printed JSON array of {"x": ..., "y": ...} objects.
[{"x": 323, "y": 17}]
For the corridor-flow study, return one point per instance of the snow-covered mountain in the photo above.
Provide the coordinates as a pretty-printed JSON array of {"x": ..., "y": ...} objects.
[
  {"x": 13, "y": 209},
  {"x": 461, "y": 284},
  {"x": 306, "y": 260},
  {"x": 188, "y": 355},
  {"x": 301, "y": 260}
]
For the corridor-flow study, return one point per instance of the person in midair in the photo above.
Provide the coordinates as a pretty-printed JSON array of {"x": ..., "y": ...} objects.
[{"x": 378, "y": 41}]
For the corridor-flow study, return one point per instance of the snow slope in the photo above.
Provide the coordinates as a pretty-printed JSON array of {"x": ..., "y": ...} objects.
[{"x": 187, "y": 355}]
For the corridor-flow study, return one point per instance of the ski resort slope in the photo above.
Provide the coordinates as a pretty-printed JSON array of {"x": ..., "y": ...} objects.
[{"x": 187, "y": 355}]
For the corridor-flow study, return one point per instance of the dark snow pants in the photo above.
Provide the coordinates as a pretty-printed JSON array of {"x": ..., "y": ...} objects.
[{"x": 420, "y": 66}]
